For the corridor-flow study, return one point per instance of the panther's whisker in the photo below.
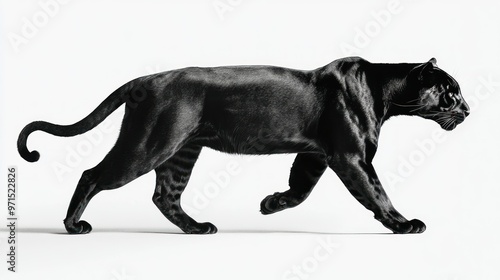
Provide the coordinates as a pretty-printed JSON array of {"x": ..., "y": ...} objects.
[
  {"x": 429, "y": 115},
  {"x": 416, "y": 109},
  {"x": 441, "y": 115},
  {"x": 449, "y": 123},
  {"x": 443, "y": 121},
  {"x": 413, "y": 100},
  {"x": 441, "y": 112},
  {"x": 406, "y": 105},
  {"x": 447, "y": 118}
]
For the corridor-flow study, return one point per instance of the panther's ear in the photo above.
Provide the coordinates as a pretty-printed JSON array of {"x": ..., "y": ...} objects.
[{"x": 427, "y": 69}]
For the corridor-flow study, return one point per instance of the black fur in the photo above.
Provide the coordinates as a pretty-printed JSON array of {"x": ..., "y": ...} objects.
[{"x": 330, "y": 116}]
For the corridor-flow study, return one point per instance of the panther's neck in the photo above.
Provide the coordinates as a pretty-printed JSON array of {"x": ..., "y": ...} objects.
[{"x": 389, "y": 83}]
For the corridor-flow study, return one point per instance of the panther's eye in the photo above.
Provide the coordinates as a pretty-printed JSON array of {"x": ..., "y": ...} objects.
[{"x": 449, "y": 100}]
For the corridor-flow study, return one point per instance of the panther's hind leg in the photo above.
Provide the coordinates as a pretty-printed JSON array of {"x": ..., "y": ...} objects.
[
  {"x": 113, "y": 172},
  {"x": 172, "y": 177},
  {"x": 85, "y": 190},
  {"x": 305, "y": 173},
  {"x": 138, "y": 150}
]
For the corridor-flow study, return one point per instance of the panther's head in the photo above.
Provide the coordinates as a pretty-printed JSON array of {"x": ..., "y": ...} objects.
[{"x": 438, "y": 97}]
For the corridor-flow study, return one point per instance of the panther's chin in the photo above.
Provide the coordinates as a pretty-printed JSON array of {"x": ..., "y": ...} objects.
[
  {"x": 449, "y": 126},
  {"x": 449, "y": 123}
]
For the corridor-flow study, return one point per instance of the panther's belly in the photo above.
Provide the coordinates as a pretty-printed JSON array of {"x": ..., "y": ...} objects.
[{"x": 258, "y": 143}]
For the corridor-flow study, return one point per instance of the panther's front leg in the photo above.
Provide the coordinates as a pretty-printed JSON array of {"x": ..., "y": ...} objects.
[
  {"x": 362, "y": 182},
  {"x": 305, "y": 173}
]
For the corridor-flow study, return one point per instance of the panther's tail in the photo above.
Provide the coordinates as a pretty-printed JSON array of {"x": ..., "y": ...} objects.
[{"x": 110, "y": 104}]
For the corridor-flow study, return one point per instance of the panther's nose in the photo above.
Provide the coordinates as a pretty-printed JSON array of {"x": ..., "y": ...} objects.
[{"x": 465, "y": 109}]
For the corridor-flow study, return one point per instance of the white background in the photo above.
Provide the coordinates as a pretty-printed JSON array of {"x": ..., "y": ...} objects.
[{"x": 77, "y": 53}]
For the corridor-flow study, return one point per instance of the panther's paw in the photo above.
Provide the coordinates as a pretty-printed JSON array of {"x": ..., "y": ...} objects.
[
  {"x": 272, "y": 204},
  {"x": 417, "y": 226},
  {"x": 413, "y": 226},
  {"x": 201, "y": 228},
  {"x": 81, "y": 227}
]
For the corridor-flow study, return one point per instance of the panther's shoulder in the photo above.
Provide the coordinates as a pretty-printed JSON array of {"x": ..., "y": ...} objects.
[
  {"x": 344, "y": 68},
  {"x": 349, "y": 64},
  {"x": 352, "y": 59}
]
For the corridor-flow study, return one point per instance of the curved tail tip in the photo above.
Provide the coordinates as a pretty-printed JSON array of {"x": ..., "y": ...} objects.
[{"x": 32, "y": 156}]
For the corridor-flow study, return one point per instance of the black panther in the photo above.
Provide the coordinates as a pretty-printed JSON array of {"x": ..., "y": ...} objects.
[{"x": 331, "y": 117}]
